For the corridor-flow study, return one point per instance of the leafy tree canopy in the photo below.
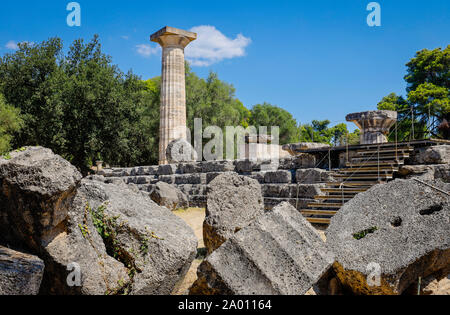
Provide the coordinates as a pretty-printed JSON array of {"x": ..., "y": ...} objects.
[
  {"x": 426, "y": 110},
  {"x": 10, "y": 122}
]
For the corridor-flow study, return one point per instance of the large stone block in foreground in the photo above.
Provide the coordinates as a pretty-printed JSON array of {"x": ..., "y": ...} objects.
[
  {"x": 233, "y": 202},
  {"x": 401, "y": 229},
  {"x": 155, "y": 244},
  {"x": 20, "y": 273},
  {"x": 279, "y": 253}
]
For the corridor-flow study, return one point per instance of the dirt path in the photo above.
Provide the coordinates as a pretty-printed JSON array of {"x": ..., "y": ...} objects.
[{"x": 194, "y": 217}]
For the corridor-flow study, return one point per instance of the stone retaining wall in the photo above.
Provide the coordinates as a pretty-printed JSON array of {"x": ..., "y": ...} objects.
[{"x": 295, "y": 180}]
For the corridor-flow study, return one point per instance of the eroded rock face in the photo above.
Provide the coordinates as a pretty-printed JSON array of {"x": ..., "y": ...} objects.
[
  {"x": 20, "y": 273},
  {"x": 278, "y": 253},
  {"x": 426, "y": 172},
  {"x": 233, "y": 202},
  {"x": 40, "y": 211},
  {"x": 439, "y": 154},
  {"x": 94, "y": 238},
  {"x": 400, "y": 229},
  {"x": 313, "y": 176},
  {"x": 169, "y": 196},
  {"x": 37, "y": 189},
  {"x": 156, "y": 246}
]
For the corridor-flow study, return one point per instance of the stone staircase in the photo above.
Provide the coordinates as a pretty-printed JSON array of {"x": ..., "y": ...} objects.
[{"x": 371, "y": 165}]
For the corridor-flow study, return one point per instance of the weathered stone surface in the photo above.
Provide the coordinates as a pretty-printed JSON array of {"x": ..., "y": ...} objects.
[
  {"x": 278, "y": 253},
  {"x": 169, "y": 179},
  {"x": 189, "y": 168},
  {"x": 169, "y": 196},
  {"x": 296, "y": 148},
  {"x": 37, "y": 187},
  {"x": 292, "y": 190},
  {"x": 439, "y": 154},
  {"x": 158, "y": 246},
  {"x": 401, "y": 226},
  {"x": 426, "y": 172},
  {"x": 180, "y": 151},
  {"x": 313, "y": 176},
  {"x": 168, "y": 169},
  {"x": 173, "y": 86},
  {"x": 303, "y": 160},
  {"x": 20, "y": 273},
  {"x": 247, "y": 166},
  {"x": 193, "y": 189},
  {"x": 41, "y": 211},
  {"x": 258, "y": 176},
  {"x": 374, "y": 125},
  {"x": 194, "y": 179},
  {"x": 278, "y": 177},
  {"x": 217, "y": 166},
  {"x": 233, "y": 202},
  {"x": 300, "y": 203}
]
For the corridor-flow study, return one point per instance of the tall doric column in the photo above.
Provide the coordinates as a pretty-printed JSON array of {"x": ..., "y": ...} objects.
[
  {"x": 173, "y": 86},
  {"x": 374, "y": 125}
]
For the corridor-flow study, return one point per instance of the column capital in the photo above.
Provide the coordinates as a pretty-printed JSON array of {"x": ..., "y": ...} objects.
[{"x": 170, "y": 36}]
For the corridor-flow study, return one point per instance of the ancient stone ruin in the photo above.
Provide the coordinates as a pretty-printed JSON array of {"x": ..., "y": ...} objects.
[
  {"x": 366, "y": 219},
  {"x": 173, "y": 86}
]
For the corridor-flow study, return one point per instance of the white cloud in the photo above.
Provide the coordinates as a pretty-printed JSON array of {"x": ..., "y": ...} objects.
[
  {"x": 212, "y": 46},
  {"x": 125, "y": 37},
  {"x": 12, "y": 45},
  {"x": 15, "y": 46},
  {"x": 146, "y": 50}
]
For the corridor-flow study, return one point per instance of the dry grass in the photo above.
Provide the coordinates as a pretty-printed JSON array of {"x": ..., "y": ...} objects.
[{"x": 194, "y": 217}]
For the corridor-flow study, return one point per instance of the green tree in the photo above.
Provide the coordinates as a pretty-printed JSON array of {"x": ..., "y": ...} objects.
[
  {"x": 32, "y": 80},
  {"x": 10, "y": 122},
  {"x": 269, "y": 115},
  {"x": 320, "y": 132},
  {"x": 427, "y": 105}
]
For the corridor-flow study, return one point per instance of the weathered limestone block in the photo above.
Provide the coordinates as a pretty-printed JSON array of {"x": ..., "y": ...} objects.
[
  {"x": 169, "y": 179},
  {"x": 211, "y": 176},
  {"x": 278, "y": 253},
  {"x": 296, "y": 148},
  {"x": 197, "y": 201},
  {"x": 20, "y": 273},
  {"x": 142, "y": 180},
  {"x": 168, "y": 169},
  {"x": 190, "y": 168},
  {"x": 281, "y": 177},
  {"x": 37, "y": 187},
  {"x": 426, "y": 172},
  {"x": 144, "y": 171},
  {"x": 169, "y": 196},
  {"x": 233, "y": 202},
  {"x": 313, "y": 176},
  {"x": 439, "y": 154},
  {"x": 247, "y": 166},
  {"x": 303, "y": 160},
  {"x": 400, "y": 228},
  {"x": 180, "y": 151},
  {"x": 217, "y": 166},
  {"x": 126, "y": 172},
  {"x": 258, "y": 176},
  {"x": 198, "y": 179},
  {"x": 300, "y": 203},
  {"x": 157, "y": 245},
  {"x": 292, "y": 190},
  {"x": 193, "y": 189},
  {"x": 40, "y": 210}
]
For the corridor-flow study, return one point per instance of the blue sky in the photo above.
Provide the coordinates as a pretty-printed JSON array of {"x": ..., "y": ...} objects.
[{"x": 317, "y": 59}]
